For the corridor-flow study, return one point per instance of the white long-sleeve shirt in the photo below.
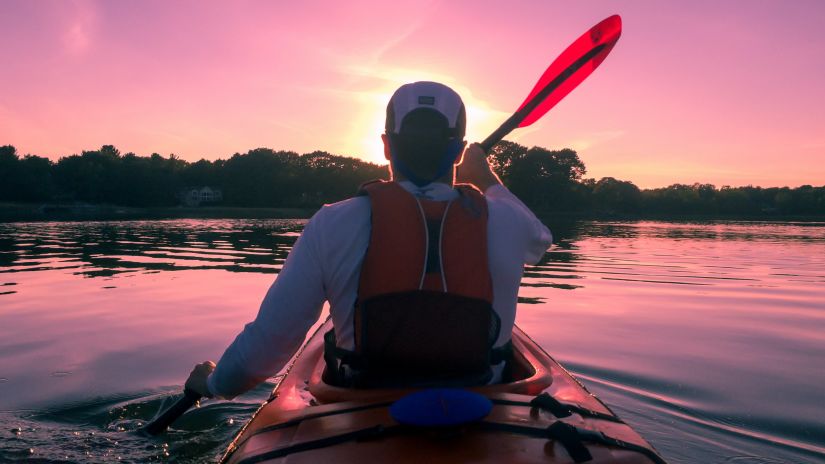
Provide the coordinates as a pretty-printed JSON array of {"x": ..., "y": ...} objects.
[{"x": 325, "y": 265}]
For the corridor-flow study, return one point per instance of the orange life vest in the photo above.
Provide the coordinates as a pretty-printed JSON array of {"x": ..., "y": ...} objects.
[{"x": 424, "y": 311}]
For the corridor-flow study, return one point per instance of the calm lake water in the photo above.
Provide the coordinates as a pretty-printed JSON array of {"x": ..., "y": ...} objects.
[{"x": 708, "y": 338}]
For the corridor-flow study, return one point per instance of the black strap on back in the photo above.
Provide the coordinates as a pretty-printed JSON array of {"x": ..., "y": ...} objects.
[
  {"x": 339, "y": 360},
  {"x": 502, "y": 354},
  {"x": 336, "y": 358}
]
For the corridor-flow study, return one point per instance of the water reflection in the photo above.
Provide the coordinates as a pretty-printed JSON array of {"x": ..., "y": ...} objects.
[
  {"x": 102, "y": 249},
  {"x": 613, "y": 251}
]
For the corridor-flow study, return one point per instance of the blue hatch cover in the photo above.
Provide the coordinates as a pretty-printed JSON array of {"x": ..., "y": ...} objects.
[{"x": 440, "y": 407}]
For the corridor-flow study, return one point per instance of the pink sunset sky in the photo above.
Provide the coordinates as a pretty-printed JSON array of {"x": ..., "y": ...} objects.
[{"x": 730, "y": 93}]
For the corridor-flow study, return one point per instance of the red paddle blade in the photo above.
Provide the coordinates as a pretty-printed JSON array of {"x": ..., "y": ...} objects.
[{"x": 602, "y": 36}]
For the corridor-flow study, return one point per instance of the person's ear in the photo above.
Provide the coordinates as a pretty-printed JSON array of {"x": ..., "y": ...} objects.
[
  {"x": 460, "y": 157},
  {"x": 387, "y": 153}
]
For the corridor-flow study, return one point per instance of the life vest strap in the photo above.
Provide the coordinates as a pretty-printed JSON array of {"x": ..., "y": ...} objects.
[{"x": 346, "y": 368}]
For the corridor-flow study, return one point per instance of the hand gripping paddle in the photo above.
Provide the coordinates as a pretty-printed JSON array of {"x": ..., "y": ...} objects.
[{"x": 573, "y": 66}]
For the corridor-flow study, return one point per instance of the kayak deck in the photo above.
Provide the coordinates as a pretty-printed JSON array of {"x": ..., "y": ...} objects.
[{"x": 542, "y": 414}]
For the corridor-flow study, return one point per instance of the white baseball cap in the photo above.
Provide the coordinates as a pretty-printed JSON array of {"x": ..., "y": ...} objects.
[{"x": 424, "y": 96}]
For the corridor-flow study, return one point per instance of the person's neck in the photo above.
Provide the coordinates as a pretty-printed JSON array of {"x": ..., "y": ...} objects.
[{"x": 448, "y": 179}]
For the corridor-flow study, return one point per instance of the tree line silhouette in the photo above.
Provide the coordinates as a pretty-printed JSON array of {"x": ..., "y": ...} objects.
[{"x": 546, "y": 180}]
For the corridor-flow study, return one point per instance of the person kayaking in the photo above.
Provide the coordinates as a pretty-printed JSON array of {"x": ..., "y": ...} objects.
[{"x": 421, "y": 274}]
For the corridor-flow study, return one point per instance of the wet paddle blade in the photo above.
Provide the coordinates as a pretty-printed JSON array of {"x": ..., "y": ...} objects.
[
  {"x": 159, "y": 425},
  {"x": 576, "y": 62}
]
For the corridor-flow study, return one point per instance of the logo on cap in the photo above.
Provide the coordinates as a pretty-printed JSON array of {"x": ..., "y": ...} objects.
[{"x": 422, "y": 100}]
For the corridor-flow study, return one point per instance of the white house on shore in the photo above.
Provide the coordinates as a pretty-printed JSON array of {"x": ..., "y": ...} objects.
[{"x": 196, "y": 196}]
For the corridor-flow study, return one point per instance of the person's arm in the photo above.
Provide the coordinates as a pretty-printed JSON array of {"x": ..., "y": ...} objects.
[
  {"x": 292, "y": 304},
  {"x": 536, "y": 236},
  {"x": 475, "y": 169}
]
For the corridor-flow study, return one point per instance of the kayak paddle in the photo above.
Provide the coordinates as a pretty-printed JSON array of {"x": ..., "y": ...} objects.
[
  {"x": 566, "y": 72},
  {"x": 159, "y": 425}
]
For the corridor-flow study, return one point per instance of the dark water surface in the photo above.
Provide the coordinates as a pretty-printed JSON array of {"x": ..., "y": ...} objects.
[{"x": 708, "y": 338}]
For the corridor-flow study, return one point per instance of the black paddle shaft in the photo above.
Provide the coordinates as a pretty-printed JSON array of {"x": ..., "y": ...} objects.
[
  {"x": 159, "y": 425},
  {"x": 513, "y": 121}
]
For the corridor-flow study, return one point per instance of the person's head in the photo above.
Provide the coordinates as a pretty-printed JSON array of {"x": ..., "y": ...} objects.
[{"x": 424, "y": 133}]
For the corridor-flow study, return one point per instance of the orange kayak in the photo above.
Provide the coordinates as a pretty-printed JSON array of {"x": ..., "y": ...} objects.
[{"x": 541, "y": 414}]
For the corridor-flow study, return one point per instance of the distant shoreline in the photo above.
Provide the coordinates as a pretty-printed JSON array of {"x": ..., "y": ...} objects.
[
  {"x": 31, "y": 212},
  {"x": 39, "y": 212},
  {"x": 620, "y": 217}
]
